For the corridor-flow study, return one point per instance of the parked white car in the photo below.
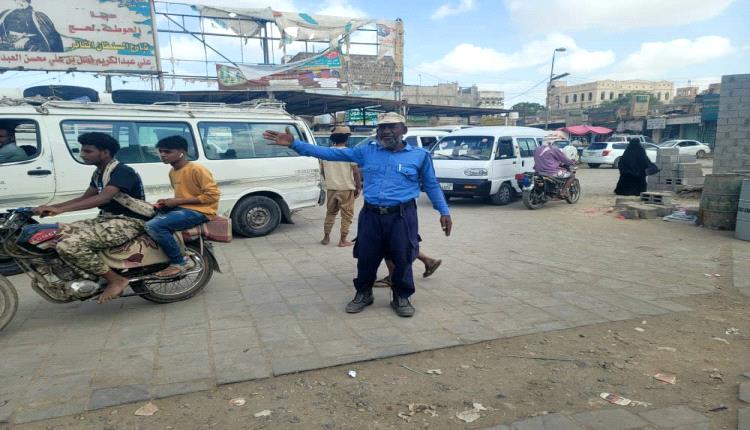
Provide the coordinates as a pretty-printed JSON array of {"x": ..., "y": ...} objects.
[
  {"x": 599, "y": 153},
  {"x": 424, "y": 137},
  {"x": 568, "y": 149},
  {"x": 688, "y": 147}
]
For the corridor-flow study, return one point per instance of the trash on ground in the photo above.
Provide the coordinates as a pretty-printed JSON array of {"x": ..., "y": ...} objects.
[
  {"x": 146, "y": 410},
  {"x": 263, "y": 413},
  {"x": 641, "y": 404},
  {"x": 468, "y": 416},
  {"x": 718, "y": 408},
  {"x": 719, "y": 339},
  {"x": 415, "y": 408},
  {"x": 239, "y": 401},
  {"x": 644, "y": 322},
  {"x": 716, "y": 375},
  {"x": 732, "y": 331},
  {"x": 666, "y": 377},
  {"x": 353, "y": 373},
  {"x": 615, "y": 399},
  {"x": 434, "y": 372},
  {"x": 717, "y": 275},
  {"x": 478, "y": 407},
  {"x": 640, "y": 329},
  {"x": 666, "y": 348},
  {"x": 682, "y": 216}
]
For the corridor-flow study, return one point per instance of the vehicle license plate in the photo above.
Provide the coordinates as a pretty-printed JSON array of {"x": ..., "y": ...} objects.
[{"x": 447, "y": 186}]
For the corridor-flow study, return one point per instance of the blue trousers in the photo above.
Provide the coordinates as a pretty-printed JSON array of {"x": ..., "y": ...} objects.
[
  {"x": 164, "y": 224},
  {"x": 393, "y": 236}
]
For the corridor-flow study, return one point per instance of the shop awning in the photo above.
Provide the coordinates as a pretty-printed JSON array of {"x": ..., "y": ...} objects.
[{"x": 582, "y": 130}]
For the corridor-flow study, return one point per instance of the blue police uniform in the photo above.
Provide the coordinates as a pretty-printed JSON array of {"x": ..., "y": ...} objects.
[{"x": 388, "y": 224}]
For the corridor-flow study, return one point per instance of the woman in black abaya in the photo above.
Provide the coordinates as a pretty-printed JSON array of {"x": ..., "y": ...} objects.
[{"x": 633, "y": 165}]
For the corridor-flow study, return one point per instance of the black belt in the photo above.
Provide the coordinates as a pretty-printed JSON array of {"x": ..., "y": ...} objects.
[{"x": 385, "y": 210}]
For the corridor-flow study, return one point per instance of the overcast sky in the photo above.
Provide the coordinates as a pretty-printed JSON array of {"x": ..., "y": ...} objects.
[{"x": 508, "y": 44}]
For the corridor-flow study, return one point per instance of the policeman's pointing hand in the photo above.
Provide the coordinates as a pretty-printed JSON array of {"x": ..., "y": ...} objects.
[
  {"x": 447, "y": 224},
  {"x": 284, "y": 139}
]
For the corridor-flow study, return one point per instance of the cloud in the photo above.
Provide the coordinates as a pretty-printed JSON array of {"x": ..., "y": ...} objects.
[
  {"x": 341, "y": 8},
  {"x": 655, "y": 59},
  {"x": 612, "y": 15},
  {"x": 469, "y": 60},
  {"x": 446, "y": 9}
]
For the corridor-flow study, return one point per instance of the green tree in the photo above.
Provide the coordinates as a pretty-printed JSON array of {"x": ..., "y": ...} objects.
[
  {"x": 625, "y": 100},
  {"x": 528, "y": 108}
]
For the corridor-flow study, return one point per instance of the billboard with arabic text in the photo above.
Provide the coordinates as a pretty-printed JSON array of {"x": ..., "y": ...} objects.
[{"x": 82, "y": 35}]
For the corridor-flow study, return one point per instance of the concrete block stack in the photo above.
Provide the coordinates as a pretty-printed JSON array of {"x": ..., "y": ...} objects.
[
  {"x": 650, "y": 205},
  {"x": 732, "y": 151},
  {"x": 676, "y": 172}
]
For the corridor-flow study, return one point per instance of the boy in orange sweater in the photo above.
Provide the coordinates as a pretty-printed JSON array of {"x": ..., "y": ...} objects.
[{"x": 196, "y": 201}]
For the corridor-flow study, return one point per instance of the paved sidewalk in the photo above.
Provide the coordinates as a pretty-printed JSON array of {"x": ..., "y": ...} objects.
[
  {"x": 278, "y": 306},
  {"x": 673, "y": 418}
]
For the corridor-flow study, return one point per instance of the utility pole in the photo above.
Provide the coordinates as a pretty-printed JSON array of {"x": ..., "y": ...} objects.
[{"x": 549, "y": 85}]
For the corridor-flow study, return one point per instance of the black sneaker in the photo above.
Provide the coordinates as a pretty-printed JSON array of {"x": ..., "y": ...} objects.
[
  {"x": 360, "y": 301},
  {"x": 402, "y": 306}
]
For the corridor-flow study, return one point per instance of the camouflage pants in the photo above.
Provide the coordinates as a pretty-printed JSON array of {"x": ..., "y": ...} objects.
[{"x": 81, "y": 241}]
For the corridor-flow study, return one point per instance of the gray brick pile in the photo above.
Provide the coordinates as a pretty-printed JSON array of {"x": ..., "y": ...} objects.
[
  {"x": 732, "y": 151},
  {"x": 676, "y": 172}
]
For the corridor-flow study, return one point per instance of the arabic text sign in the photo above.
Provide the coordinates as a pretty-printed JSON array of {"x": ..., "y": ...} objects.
[
  {"x": 321, "y": 72},
  {"x": 85, "y": 35}
]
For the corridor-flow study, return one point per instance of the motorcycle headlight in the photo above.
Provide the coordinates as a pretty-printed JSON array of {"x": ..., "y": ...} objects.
[{"x": 475, "y": 172}]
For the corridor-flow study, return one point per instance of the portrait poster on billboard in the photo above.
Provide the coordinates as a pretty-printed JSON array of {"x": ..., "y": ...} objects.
[{"x": 82, "y": 35}]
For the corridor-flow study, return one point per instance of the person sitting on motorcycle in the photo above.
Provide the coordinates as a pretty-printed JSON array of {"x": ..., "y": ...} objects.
[
  {"x": 548, "y": 160},
  {"x": 196, "y": 201},
  {"x": 117, "y": 190}
]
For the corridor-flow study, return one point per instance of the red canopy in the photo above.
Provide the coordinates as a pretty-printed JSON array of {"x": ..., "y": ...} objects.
[{"x": 582, "y": 130}]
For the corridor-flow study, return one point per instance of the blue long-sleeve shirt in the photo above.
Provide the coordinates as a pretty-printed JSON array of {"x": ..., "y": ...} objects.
[{"x": 390, "y": 177}]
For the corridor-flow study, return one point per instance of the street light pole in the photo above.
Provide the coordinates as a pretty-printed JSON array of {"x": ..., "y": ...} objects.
[{"x": 549, "y": 84}]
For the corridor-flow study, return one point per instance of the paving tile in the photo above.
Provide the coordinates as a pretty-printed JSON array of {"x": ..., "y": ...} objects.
[
  {"x": 27, "y": 414},
  {"x": 547, "y": 422},
  {"x": 182, "y": 367},
  {"x": 58, "y": 388},
  {"x": 743, "y": 419},
  {"x": 675, "y": 416},
  {"x": 238, "y": 366},
  {"x": 119, "y": 395},
  {"x": 610, "y": 419},
  {"x": 177, "y": 388},
  {"x": 744, "y": 392}
]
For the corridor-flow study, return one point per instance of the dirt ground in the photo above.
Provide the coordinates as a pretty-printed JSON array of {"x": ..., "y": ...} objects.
[{"x": 514, "y": 378}]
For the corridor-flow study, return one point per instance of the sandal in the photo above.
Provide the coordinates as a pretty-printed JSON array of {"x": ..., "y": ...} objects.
[
  {"x": 383, "y": 283},
  {"x": 430, "y": 269}
]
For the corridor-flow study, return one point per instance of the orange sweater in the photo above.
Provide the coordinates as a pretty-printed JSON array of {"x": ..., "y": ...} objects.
[{"x": 195, "y": 181}]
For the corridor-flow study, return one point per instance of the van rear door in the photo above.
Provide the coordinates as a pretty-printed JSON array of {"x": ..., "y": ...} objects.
[{"x": 26, "y": 173}]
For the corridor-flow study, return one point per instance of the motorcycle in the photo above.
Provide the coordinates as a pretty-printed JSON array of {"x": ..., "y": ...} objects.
[
  {"x": 539, "y": 189},
  {"x": 32, "y": 246}
]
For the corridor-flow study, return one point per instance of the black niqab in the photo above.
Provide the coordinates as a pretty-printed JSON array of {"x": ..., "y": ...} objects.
[{"x": 634, "y": 161}]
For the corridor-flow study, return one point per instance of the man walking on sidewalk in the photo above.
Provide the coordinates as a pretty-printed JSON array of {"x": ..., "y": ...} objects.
[{"x": 343, "y": 186}]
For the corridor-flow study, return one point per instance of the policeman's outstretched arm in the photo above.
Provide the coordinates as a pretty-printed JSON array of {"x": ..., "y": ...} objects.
[{"x": 287, "y": 139}]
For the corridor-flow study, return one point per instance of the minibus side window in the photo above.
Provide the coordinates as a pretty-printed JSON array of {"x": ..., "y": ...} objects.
[{"x": 243, "y": 140}]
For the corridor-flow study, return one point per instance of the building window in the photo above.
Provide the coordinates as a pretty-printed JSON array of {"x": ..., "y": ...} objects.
[
  {"x": 575, "y": 98},
  {"x": 658, "y": 96},
  {"x": 602, "y": 96},
  {"x": 666, "y": 96},
  {"x": 566, "y": 100},
  {"x": 590, "y": 96},
  {"x": 583, "y": 96},
  {"x": 611, "y": 95},
  {"x": 619, "y": 96}
]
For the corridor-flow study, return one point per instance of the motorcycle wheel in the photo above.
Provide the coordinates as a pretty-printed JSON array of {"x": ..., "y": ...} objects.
[
  {"x": 574, "y": 192},
  {"x": 533, "y": 199},
  {"x": 8, "y": 302},
  {"x": 181, "y": 288}
]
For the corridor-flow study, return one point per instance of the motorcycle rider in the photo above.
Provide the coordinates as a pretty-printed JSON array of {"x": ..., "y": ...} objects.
[
  {"x": 548, "y": 159},
  {"x": 117, "y": 190}
]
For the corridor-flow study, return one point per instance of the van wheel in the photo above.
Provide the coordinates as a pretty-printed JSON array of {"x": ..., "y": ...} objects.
[
  {"x": 8, "y": 267},
  {"x": 503, "y": 195},
  {"x": 256, "y": 216},
  {"x": 616, "y": 164},
  {"x": 594, "y": 165},
  {"x": 700, "y": 154}
]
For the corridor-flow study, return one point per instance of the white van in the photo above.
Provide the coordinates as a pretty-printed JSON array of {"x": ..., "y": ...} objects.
[
  {"x": 260, "y": 184},
  {"x": 423, "y": 137},
  {"x": 483, "y": 161}
]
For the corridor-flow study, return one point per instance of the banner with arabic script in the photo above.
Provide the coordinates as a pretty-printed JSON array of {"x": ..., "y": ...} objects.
[{"x": 82, "y": 35}]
